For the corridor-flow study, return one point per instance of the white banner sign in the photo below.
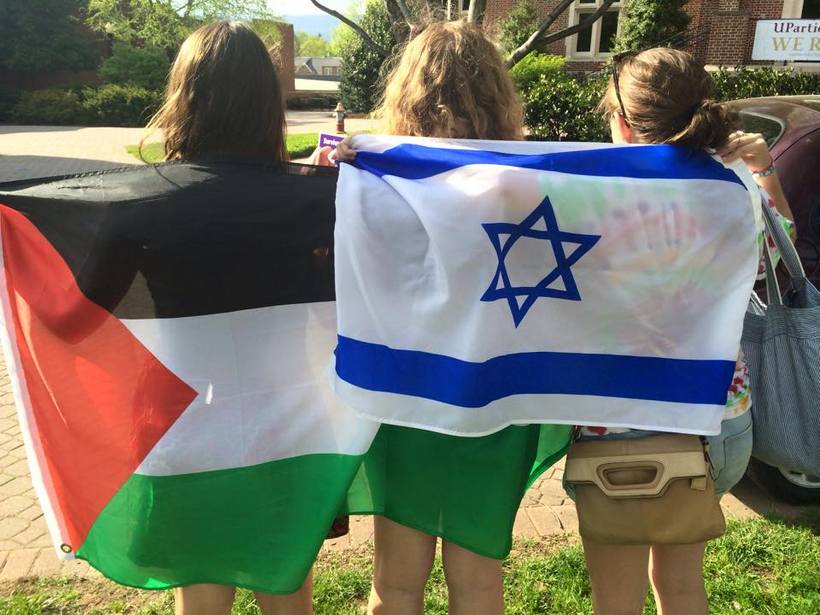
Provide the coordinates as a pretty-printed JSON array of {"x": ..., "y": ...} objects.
[{"x": 787, "y": 39}]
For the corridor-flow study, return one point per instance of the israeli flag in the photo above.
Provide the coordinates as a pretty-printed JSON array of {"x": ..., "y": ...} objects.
[{"x": 486, "y": 284}]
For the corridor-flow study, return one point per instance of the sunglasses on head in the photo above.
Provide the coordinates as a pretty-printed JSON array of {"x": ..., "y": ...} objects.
[{"x": 617, "y": 60}]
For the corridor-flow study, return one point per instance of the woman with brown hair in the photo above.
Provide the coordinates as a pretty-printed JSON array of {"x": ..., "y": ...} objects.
[
  {"x": 664, "y": 96},
  {"x": 224, "y": 102},
  {"x": 223, "y": 98}
]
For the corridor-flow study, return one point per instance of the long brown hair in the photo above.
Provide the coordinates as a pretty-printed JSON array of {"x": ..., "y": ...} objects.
[
  {"x": 667, "y": 98},
  {"x": 223, "y": 98},
  {"x": 451, "y": 82}
]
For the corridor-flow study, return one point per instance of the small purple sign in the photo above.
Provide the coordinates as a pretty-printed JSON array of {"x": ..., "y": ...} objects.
[{"x": 329, "y": 140}]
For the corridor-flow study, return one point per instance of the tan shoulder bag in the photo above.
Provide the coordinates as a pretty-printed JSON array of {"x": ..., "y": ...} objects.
[{"x": 652, "y": 490}]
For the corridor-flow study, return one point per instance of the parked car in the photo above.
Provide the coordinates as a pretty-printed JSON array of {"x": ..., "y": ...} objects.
[{"x": 791, "y": 126}]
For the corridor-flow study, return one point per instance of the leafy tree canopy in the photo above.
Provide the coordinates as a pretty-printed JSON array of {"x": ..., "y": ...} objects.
[
  {"x": 646, "y": 23},
  {"x": 360, "y": 87},
  {"x": 43, "y": 35},
  {"x": 166, "y": 23},
  {"x": 518, "y": 25},
  {"x": 313, "y": 45}
]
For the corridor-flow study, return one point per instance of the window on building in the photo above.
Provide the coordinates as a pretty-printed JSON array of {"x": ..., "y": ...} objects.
[
  {"x": 811, "y": 9},
  {"x": 597, "y": 40}
]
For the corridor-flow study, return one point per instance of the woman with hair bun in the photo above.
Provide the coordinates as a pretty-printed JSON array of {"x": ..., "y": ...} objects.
[{"x": 663, "y": 96}]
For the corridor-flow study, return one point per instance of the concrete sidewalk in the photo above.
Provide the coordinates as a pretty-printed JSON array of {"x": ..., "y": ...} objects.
[{"x": 75, "y": 149}]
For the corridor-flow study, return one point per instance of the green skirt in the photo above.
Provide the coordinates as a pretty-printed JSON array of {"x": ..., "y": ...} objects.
[{"x": 462, "y": 489}]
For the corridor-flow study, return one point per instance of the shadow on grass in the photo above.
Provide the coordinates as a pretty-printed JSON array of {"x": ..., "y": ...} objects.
[{"x": 756, "y": 498}]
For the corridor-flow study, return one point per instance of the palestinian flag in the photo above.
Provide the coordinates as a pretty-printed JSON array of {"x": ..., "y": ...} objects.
[{"x": 168, "y": 331}]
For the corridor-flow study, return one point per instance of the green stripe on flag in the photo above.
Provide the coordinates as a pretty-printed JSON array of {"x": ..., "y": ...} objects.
[
  {"x": 258, "y": 527},
  {"x": 464, "y": 489}
]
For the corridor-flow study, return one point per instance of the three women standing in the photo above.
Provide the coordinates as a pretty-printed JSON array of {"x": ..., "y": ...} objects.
[{"x": 224, "y": 102}]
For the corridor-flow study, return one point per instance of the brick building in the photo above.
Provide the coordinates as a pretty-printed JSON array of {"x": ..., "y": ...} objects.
[{"x": 726, "y": 27}]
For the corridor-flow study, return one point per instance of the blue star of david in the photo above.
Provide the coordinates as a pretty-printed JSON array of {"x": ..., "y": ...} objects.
[{"x": 502, "y": 288}]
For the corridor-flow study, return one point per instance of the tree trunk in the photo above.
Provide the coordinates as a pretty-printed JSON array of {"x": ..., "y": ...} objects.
[
  {"x": 400, "y": 27},
  {"x": 476, "y": 12}
]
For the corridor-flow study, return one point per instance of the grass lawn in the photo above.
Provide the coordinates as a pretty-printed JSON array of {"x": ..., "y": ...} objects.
[
  {"x": 760, "y": 567},
  {"x": 300, "y": 145}
]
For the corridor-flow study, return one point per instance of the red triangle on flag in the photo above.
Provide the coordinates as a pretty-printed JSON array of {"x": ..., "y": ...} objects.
[{"x": 99, "y": 400}]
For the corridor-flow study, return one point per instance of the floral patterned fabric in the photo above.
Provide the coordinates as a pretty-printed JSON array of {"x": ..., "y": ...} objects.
[{"x": 738, "y": 398}]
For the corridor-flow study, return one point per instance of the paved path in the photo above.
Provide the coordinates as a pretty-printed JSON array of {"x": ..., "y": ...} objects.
[
  {"x": 25, "y": 548},
  {"x": 42, "y": 151}
]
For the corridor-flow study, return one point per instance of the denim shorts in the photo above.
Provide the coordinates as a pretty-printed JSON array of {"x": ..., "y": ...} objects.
[{"x": 729, "y": 451}]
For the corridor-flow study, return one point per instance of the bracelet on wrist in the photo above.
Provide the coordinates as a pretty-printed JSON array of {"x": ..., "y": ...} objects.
[{"x": 765, "y": 172}]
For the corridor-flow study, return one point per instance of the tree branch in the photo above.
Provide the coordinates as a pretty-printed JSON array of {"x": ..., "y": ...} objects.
[
  {"x": 476, "y": 12},
  {"x": 398, "y": 24},
  {"x": 593, "y": 17},
  {"x": 529, "y": 44},
  {"x": 405, "y": 12},
  {"x": 353, "y": 25},
  {"x": 537, "y": 39}
]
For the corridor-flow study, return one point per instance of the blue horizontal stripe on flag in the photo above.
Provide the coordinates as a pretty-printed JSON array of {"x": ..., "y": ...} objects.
[
  {"x": 472, "y": 385},
  {"x": 411, "y": 161}
]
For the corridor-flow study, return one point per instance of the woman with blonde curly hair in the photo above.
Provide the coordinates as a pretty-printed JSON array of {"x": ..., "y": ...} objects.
[{"x": 450, "y": 82}]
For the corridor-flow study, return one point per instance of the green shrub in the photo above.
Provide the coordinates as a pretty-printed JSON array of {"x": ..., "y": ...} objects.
[
  {"x": 745, "y": 82},
  {"x": 318, "y": 102},
  {"x": 529, "y": 70},
  {"x": 51, "y": 107},
  {"x": 146, "y": 67},
  {"x": 518, "y": 26},
  {"x": 561, "y": 107},
  {"x": 120, "y": 105},
  {"x": 360, "y": 88},
  {"x": 9, "y": 97}
]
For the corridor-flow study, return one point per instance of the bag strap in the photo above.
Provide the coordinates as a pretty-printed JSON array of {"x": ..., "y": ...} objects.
[
  {"x": 772, "y": 285},
  {"x": 788, "y": 253},
  {"x": 756, "y": 305}
]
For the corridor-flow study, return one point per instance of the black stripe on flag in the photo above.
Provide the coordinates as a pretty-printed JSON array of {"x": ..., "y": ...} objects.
[{"x": 186, "y": 239}]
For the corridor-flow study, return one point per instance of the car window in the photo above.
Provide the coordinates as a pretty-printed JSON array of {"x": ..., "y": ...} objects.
[{"x": 769, "y": 126}]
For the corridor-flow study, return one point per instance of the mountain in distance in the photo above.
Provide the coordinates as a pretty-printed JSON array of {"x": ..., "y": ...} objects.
[{"x": 313, "y": 24}]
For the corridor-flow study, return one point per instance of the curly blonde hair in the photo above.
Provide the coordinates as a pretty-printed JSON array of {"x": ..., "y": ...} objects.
[{"x": 451, "y": 82}]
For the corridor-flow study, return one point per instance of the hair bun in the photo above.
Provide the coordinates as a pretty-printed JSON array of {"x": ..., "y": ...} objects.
[{"x": 707, "y": 127}]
